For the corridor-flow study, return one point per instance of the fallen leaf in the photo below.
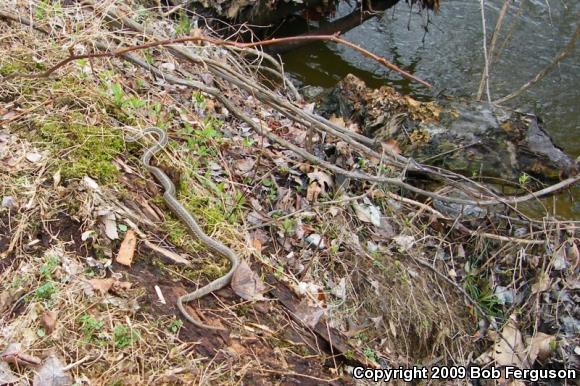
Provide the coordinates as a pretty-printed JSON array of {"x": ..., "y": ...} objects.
[
  {"x": 560, "y": 262},
  {"x": 246, "y": 165},
  {"x": 257, "y": 244},
  {"x": 247, "y": 284},
  {"x": 160, "y": 295},
  {"x": 542, "y": 283},
  {"x": 367, "y": 212},
  {"x": 339, "y": 290},
  {"x": 391, "y": 146},
  {"x": 8, "y": 202},
  {"x": 316, "y": 241},
  {"x": 33, "y": 156},
  {"x": 313, "y": 192},
  {"x": 6, "y": 375},
  {"x": 509, "y": 348},
  {"x": 52, "y": 374},
  {"x": 539, "y": 347},
  {"x": 13, "y": 354},
  {"x": 109, "y": 221},
  {"x": 308, "y": 314},
  {"x": 405, "y": 242},
  {"x": 323, "y": 179},
  {"x": 102, "y": 286},
  {"x": 56, "y": 178},
  {"x": 48, "y": 321},
  {"x": 127, "y": 249},
  {"x": 6, "y": 300},
  {"x": 338, "y": 121}
]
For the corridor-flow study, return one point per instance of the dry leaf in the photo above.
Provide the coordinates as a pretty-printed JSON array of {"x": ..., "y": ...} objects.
[
  {"x": 323, "y": 179},
  {"x": 315, "y": 240},
  {"x": 542, "y": 283},
  {"x": 246, "y": 165},
  {"x": 6, "y": 375},
  {"x": 367, "y": 212},
  {"x": 110, "y": 223},
  {"x": 391, "y": 146},
  {"x": 308, "y": 314},
  {"x": 246, "y": 283},
  {"x": 13, "y": 354},
  {"x": 539, "y": 347},
  {"x": 313, "y": 192},
  {"x": 52, "y": 374},
  {"x": 405, "y": 242},
  {"x": 338, "y": 121},
  {"x": 127, "y": 249},
  {"x": 509, "y": 349},
  {"x": 102, "y": 286},
  {"x": 33, "y": 156},
  {"x": 257, "y": 244},
  {"x": 48, "y": 321},
  {"x": 6, "y": 299}
]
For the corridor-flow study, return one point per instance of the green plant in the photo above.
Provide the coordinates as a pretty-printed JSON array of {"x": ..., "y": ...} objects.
[
  {"x": 175, "y": 325},
  {"x": 90, "y": 326},
  {"x": 480, "y": 291},
  {"x": 288, "y": 226},
  {"x": 370, "y": 354},
  {"x": 183, "y": 27},
  {"x": 123, "y": 336},
  {"x": 524, "y": 179},
  {"x": 46, "y": 291},
  {"x": 49, "y": 266}
]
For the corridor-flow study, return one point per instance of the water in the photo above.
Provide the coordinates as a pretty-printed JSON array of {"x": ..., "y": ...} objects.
[{"x": 450, "y": 56}]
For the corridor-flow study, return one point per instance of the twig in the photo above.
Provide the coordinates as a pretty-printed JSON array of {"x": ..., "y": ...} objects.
[
  {"x": 485, "y": 58},
  {"x": 494, "y": 37},
  {"x": 563, "y": 54},
  {"x": 198, "y": 39}
]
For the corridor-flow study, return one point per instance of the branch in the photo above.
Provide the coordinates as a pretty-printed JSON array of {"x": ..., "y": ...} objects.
[{"x": 199, "y": 39}]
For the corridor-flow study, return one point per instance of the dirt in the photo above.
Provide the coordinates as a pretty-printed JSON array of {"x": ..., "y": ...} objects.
[
  {"x": 68, "y": 230},
  {"x": 6, "y": 227},
  {"x": 146, "y": 276}
]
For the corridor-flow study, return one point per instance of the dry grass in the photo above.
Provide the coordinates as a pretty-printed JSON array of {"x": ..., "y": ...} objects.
[{"x": 395, "y": 304}]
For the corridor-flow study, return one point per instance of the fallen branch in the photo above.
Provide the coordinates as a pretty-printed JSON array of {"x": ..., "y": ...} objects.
[{"x": 198, "y": 39}]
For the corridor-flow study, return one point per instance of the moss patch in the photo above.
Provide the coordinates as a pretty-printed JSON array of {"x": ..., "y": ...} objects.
[{"x": 84, "y": 150}]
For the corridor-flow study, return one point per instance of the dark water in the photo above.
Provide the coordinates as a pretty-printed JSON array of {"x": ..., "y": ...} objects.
[{"x": 450, "y": 57}]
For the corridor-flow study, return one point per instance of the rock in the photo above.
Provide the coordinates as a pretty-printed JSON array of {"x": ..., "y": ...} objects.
[{"x": 465, "y": 137}]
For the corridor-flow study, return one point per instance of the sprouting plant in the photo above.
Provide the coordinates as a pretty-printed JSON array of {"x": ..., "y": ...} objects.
[
  {"x": 46, "y": 291},
  {"x": 184, "y": 25},
  {"x": 523, "y": 179},
  {"x": 48, "y": 268},
  {"x": 175, "y": 326},
  {"x": 123, "y": 336},
  {"x": 90, "y": 326},
  {"x": 198, "y": 100},
  {"x": 370, "y": 354},
  {"x": 248, "y": 142},
  {"x": 288, "y": 226}
]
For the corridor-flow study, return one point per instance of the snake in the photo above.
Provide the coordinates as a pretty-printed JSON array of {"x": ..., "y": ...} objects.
[{"x": 183, "y": 214}]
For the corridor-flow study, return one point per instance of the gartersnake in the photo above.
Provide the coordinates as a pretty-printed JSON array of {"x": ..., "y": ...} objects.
[{"x": 178, "y": 209}]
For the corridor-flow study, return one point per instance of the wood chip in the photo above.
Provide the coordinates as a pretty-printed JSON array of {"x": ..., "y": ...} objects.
[{"x": 127, "y": 249}]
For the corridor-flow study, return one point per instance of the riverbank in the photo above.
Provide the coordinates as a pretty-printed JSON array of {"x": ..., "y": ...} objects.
[{"x": 345, "y": 266}]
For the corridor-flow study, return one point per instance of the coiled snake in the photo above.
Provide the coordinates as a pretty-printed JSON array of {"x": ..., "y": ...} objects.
[{"x": 187, "y": 218}]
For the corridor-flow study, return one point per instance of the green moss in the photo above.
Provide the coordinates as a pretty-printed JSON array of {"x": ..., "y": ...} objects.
[
  {"x": 9, "y": 68},
  {"x": 84, "y": 150}
]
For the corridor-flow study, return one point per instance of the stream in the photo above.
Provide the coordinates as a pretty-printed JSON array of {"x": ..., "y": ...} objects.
[{"x": 450, "y": 56}]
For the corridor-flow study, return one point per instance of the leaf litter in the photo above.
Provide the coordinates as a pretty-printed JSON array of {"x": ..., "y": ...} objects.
[{"x": 368, "y": 265}]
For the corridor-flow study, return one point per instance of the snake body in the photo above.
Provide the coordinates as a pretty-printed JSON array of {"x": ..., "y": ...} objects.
[{"x": 184, "y": 215}]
